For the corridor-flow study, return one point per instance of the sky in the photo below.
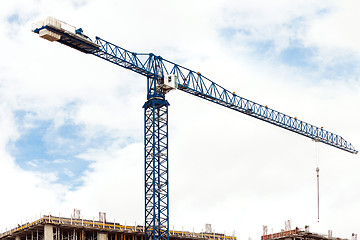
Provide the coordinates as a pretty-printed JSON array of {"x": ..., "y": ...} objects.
[{"x": 72, "y": 124}]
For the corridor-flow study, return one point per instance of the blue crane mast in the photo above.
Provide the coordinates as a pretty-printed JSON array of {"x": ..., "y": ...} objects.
[{"x": 163, "y": 76}]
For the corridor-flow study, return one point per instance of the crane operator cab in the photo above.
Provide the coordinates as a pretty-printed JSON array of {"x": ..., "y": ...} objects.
[{"x": 170, "y": 82}]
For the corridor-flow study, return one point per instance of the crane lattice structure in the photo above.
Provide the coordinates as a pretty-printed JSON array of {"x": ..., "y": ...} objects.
[{"x": 163, "y": 76}]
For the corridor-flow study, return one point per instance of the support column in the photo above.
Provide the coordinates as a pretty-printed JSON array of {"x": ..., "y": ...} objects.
[
  {"x": 102, "y": 236},
  {"x": 156, "y": 170},
  {"x": 156, "y": 153},
  {"x": 48, "y": 232}
]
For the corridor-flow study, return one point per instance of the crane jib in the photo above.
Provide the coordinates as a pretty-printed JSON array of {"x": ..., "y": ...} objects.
[
  {"x": 193, "y": 83},
  {"x": 273, "y": 117}
]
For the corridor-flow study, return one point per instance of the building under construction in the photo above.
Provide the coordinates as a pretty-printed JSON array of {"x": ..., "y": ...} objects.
[
  {"x": 60, "y": 228},
  {"x": 298, "y": 234},
  {"x": 75, "y": 228}
]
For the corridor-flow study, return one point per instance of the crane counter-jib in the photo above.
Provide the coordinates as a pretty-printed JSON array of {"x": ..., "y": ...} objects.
[{"x": 52, "y": 30}]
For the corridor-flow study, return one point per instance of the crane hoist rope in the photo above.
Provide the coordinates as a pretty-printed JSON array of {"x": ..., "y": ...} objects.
[
  {"x": 317, "y": 162},
  {"x": 163, "y": 76},
  {"x": 318, "y": 194}
]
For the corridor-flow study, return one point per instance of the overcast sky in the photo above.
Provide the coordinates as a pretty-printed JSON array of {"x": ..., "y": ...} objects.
[{"x": 71, "y": 124}]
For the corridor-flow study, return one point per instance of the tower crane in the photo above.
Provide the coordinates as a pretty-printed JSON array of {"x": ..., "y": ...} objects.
[{"x": 163, "y": 76}]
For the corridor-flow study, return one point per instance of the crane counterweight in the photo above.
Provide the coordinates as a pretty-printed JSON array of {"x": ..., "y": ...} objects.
[{"x": 49, "y": 35}]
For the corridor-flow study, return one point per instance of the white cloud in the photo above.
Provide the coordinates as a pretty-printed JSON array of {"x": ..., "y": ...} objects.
[
  {"x": 59, "y": 161},
  {"x": 225, "y": 168},
  {"x": 69, "y": 172},
  {"x": 275, "y": 21},
  {"x": 338, "y": 29}
]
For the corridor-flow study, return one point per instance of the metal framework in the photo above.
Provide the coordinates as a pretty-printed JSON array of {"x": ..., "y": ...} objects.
[
  {"x": 198, "y": 85},
  {"x": 156, "y": 115},
  {"x": 156, "y": 169}
]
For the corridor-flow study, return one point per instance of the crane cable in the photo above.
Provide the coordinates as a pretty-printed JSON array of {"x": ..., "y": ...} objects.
[
  {"x": 317, "y": 177},
  {"x": 318, "y": 197}
]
